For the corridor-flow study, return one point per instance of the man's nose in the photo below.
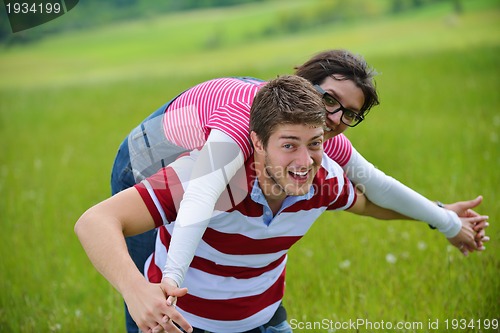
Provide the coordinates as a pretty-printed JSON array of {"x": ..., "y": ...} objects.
[{"x": 304, "y": 158}]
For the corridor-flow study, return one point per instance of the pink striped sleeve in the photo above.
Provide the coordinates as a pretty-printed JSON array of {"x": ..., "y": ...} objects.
[
  {"x": 222, "y": 104},
  {"x": 234, "y": 121},
  {"x": 233, "y": 118},
  {"x": 339, "y": 149}
]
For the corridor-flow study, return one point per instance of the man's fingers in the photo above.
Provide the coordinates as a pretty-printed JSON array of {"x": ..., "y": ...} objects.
[
  {"x": 480, "y": 244},
  {"x": 481, "y": 226},
  {"x": 172, "y": 328},
  {"x": 162, "y": 325},
  {"x": 154, "y": 327},
  {"x": 480, "y": 235},
  {"x": 179, "y": 320},
  {"x": 158, "y": 329},
  {"x": 470, "y": 245},
  {"x": 463, "y": 249},
  {"x": 146, "y": 329},
  {"x": 167, "y": 325}
]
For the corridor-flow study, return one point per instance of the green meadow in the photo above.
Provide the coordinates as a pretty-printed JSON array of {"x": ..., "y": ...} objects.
[{"x": 67, "y": 101}]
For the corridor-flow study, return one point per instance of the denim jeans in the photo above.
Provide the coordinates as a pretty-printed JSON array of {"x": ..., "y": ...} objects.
[
  {"x": 277, "y": 324},
  {"x": 282, "y": 327}
]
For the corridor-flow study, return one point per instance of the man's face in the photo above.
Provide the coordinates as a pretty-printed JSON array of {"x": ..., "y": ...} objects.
[
  {"x": 290, "y": 161},
  {"x": 347, "y": 93}
]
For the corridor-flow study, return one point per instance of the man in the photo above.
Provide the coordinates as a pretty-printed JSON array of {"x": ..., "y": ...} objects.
[{"x": 236, "y": 279}]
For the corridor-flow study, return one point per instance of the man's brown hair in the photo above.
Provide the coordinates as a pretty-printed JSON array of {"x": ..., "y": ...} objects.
[{"x": 288, "y": 99}]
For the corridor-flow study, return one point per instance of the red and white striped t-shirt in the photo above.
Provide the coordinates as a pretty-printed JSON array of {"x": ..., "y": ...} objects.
[
  {"x": 224, "y": 104},
  {"x": 237, "y": 278}
]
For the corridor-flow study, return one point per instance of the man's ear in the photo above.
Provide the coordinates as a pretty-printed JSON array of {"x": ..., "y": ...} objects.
[{"x": 257, "y": 143}]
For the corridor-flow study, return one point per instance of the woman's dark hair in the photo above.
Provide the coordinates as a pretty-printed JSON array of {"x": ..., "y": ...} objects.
[{"x": 342, "y": 65}]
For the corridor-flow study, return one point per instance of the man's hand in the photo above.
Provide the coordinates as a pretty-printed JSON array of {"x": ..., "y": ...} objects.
[
  {"x": 472, "y": 236},
  {"x": 467, "y": 239},
  {"x": 148, "y": 307}
]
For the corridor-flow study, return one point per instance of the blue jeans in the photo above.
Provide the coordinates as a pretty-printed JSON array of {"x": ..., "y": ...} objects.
[
  {"x": 282, "y": 327},
  {"x": 277, "y": 324}
]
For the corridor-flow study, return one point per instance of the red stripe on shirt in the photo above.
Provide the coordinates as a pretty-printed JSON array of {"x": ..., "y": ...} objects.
[
  {"x": 168, "y": 190},
  {"x": 238, "y": 272},
  {"x": 235, "y": 308},
  {"x": 211, "y": 267},
  {"x": 237, "y": 244},
  {"x": 154, "y": 273}
]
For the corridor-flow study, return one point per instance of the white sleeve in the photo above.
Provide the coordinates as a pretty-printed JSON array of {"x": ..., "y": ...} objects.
[
  {"x": 389, "y": 193},
  {"x": 217, "y": 163}
]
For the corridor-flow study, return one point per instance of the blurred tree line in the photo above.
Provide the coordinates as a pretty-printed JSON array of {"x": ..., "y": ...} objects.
[
  {"x": 403, "y": 5},
  {"x": 91, "y": 13}
]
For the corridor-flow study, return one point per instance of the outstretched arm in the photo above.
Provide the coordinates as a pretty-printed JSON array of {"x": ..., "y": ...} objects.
[
  {"x": 471, "y": 236},
  {"x": 102, "y": 230},
  {"x": 389, "y": 193}
]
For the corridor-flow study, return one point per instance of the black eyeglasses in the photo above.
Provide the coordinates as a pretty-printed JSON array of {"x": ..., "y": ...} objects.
[{"x": 349, "y": 117}]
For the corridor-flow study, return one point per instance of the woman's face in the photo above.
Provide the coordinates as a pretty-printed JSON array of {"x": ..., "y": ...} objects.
[{"x": 348, "y": 94}]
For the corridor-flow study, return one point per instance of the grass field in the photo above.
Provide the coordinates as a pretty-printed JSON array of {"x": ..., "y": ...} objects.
[{"x": 67, "y": 102}]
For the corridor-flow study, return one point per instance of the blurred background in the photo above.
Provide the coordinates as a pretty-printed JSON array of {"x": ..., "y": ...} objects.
[{"x": 72, "y": 89}]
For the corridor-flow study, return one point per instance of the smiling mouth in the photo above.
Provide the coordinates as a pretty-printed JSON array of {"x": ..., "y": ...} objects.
[{"x": 300, "y": 176}]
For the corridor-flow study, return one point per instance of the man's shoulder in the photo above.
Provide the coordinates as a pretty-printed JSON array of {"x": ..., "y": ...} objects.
[{"x": 332, "y": 189}]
